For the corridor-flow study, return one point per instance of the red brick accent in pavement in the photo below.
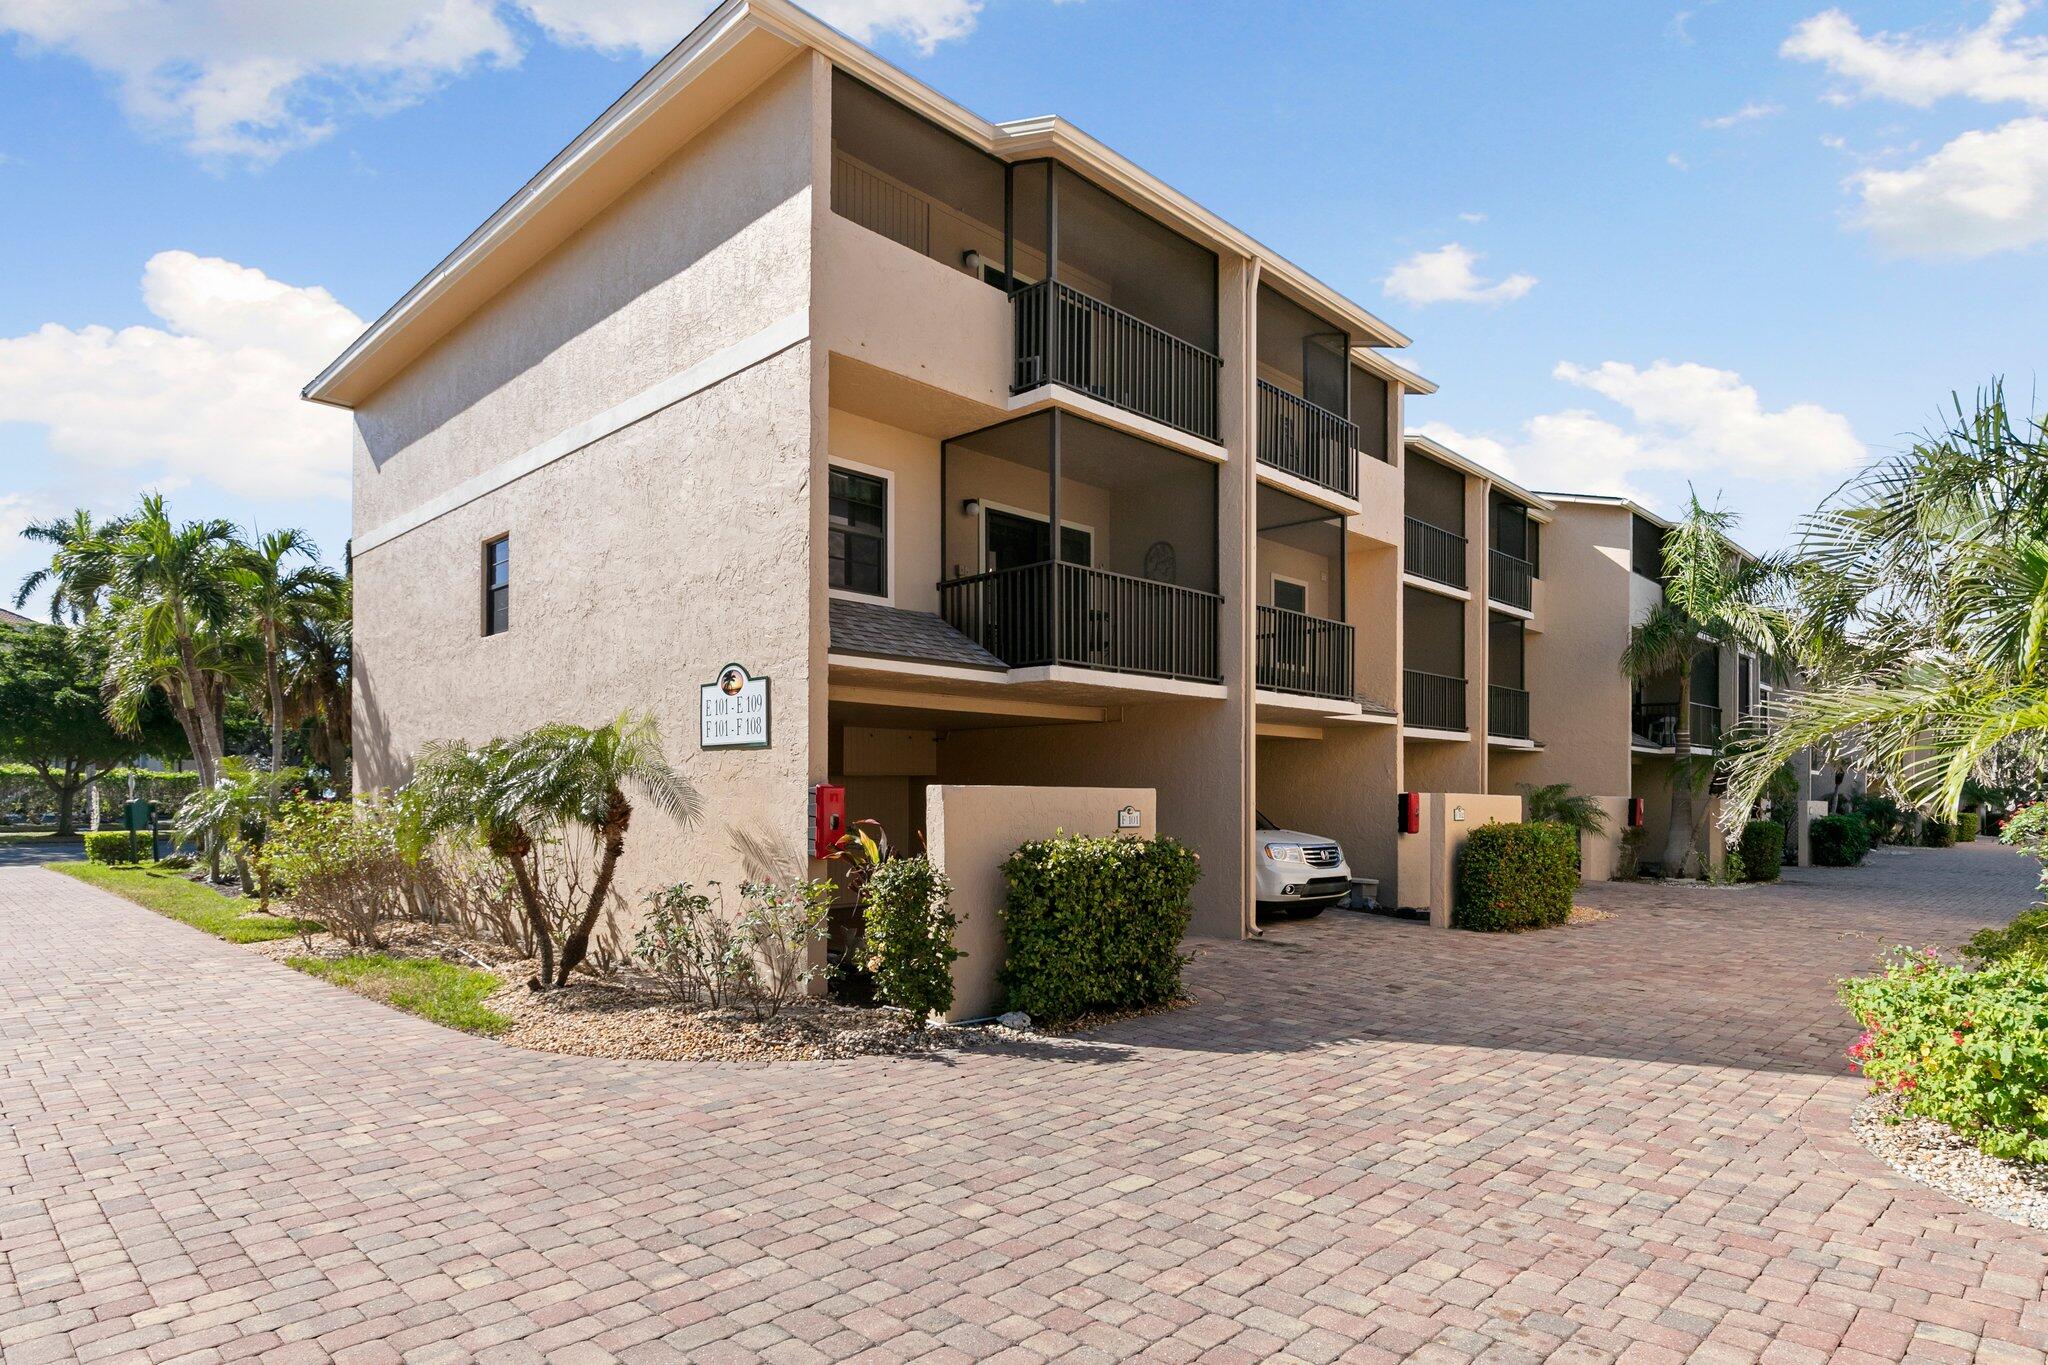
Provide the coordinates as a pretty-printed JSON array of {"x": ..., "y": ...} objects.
[{"x": 1367, "y": 1141}]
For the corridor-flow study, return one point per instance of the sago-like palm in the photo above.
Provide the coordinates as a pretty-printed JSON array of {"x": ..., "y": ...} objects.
[
  {"x": 553, "y": 779},
  {"x": 1713, "y": 596}
]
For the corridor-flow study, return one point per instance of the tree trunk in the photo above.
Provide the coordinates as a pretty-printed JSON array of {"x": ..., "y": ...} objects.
[
  {"x": 543, "y": 937},
  {"x": 1678, "y": 834},
  {"x": 276, "y": 712},
  {"x": 67, "y": 800},
  {"x": 618, "y": 814}
]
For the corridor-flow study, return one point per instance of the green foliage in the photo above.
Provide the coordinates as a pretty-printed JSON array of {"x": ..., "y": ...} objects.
[
  {"x": 1965, "y": 1048},
  {"x": 1095, "y": 924},
  {"x": 1969, "y": 825},
  {"x": 1937, "y": 834},
  {"x": 1513, "y": 877},
  {"x": 1886, "y": 818},
  {"x": 52, "y": 719},
  {"x": 440, "y": 991},
  {"x": 339, "y": 863},
  {"x": 909, "y": 927},
  {"x": 694, "y": 948},
  {"x": 113, "y": 846},
  {"x": 166, "y": 892},
  {"x": 1762, "y": 849},
  {"x": 1839, "y": 841},
  {"x": 2024, "y": 940},
  {"x": 1558, "y": 804}
]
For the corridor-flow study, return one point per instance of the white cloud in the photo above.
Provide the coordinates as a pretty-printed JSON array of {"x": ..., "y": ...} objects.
[
  {"x": 1992, "y": 64},
  {"x": 1748, "y": 113},
  {"x": 654, "y": 26},
  {"x": 250, "y": 81},
  {"x": 1682, "y": 418},
  {"x": 1985, "y": 191},
  {"x": 1446, "y": 275},
  {"x": 1471, "y": 217},
  {"x": 1677, "y": 162},
  {"x": 212, "y": 395}
]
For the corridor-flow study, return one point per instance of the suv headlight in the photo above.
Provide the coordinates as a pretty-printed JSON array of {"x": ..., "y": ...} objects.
[{"x": 1283, "y": 853}]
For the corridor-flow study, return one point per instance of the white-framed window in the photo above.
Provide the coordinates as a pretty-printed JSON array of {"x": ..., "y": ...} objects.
[
  {"x": 862, "y": 506},
  {"x": 1290, "y": 594},
  {"x": 498, "y": 585}
]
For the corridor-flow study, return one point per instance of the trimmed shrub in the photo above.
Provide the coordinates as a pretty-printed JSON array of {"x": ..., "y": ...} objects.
[
  {"x": 1095, "y": 924},
  {"x": 1889, "y": 822},
  {"x": 339, "y": 863},
  {"x": 910, "y": 935},
  {"x": 1513, "y": 877},
  {"x": 1839, "y": 841},
  {"x": 1762, "y": 847},
  {"x": 1968, "y": 1049},
  {"x": 1968, "y": 825},
  {"x": 1937, "y": 834},
  {"x": 116, "y": 846}
]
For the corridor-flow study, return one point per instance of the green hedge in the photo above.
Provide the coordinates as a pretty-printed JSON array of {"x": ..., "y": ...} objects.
[
  {"x": 114, "y": 846},
  {"x": 1518, "y": 876},
  {"x": 1968, "y": 826},
  {"x": 1937, "y": 834},
  {"x": 1762, "y": 848},
  {"x": 1839, "y": 841},
  {"x": 1094, "y": 924},
  {"x": 910, "y": 935},
  {"x": 1968, "y": 1049}
]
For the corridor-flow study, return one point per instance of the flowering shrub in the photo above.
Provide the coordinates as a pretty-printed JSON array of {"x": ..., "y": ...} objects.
[{"x": 1965, "y": 1048}]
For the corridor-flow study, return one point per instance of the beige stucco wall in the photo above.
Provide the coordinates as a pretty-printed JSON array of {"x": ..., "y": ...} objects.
[
  {"x": 973, "y": 829},
  {"x": 1428, "y": 858},
  {"x": 645, "y": 560},
  {"x": 911, "y": 462}
]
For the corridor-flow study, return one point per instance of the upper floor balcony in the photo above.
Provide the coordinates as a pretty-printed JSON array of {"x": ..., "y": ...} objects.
[
  {"x": 1129, "y": 585},
  {"x": 1106, "y": 301},
  {"x": 1305, "y": 645},
  {"x": 1304, "y": 395},
  {"x": 1435, "y": 553},
  {"x": 1511, "y": 580},
  {"x": 1654, "y": 724}
]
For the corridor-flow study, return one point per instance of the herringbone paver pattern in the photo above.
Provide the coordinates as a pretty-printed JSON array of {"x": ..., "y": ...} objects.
[{"x": 1365, "y": 1142}]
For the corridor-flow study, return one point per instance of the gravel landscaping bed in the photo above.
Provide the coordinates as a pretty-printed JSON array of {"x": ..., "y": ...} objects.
[
  {"x": 631, "y": 1016},
  {"x": 1935, "y": 1154}
]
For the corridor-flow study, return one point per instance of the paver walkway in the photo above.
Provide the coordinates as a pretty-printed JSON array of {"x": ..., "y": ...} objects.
[{"x": 1367, "y": 1141}]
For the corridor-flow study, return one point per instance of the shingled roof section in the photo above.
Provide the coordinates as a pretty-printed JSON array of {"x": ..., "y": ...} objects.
[
  {"x": 893, "y": 633},
  {"x": 15, "y": 619}
]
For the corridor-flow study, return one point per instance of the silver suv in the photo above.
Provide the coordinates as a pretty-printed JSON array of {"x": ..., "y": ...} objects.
[{"x": 1299, "y": 875}]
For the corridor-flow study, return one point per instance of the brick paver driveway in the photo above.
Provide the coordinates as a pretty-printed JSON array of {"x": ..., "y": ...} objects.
[{"x": 1365, "y": 1141}]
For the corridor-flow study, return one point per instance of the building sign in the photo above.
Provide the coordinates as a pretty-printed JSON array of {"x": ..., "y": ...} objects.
[
  {"x": 734, "y": 710},
  {"x": 1130, "y": 817}
]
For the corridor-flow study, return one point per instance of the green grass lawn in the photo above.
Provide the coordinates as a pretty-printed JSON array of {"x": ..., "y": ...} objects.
[
  {"x": 440, "y": 991},
  {"x": 169, "y": 893},
  {"x": 35, "y": 836}
]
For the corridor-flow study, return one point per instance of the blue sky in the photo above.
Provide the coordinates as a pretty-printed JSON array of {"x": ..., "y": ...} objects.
[{"x": 1743, "y": 243}]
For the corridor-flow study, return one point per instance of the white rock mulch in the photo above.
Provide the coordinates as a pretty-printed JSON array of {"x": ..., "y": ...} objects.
[{"x": 1936, "y": 1155}]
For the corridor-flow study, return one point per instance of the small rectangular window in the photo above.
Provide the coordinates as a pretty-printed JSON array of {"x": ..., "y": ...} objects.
[
  {"x": 859, "y": 517},
  {"x": 1290, "y": 596},
  {"x": 498, "y": 585}
]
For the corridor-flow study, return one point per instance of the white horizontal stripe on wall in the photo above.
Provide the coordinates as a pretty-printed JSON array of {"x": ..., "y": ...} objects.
[{"x": 770, "y": 341}]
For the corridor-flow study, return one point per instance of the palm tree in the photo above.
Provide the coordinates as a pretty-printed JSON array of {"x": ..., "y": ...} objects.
[
  {"x": 558, "y": 777},
  {"x": 1713, "y": 596},
  {"x": 78, "y": 571},
  {"x": 1923, "y": 614},
  {"x": 179, "y": 583},
  {"x": 1559, "y": 804},
  {"x": 278, "y": 601},
  {"x": 235, "y": 812},
  {"x": 317, "y": 679}
]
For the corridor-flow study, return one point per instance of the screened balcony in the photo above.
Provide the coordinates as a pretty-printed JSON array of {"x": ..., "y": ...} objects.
[
  {"x": 1654, "y": 714},
  {"x": 1304, "y": 387},
  {"x": 1511, "y": 558},
  {"x": 1304, "y": 645},
  {"x": 1507, "y": 695},
  {"x": 1433, "y": 641},
  {"x": 1435, "y": 504},
  {"x": 1132, "y": 588}
]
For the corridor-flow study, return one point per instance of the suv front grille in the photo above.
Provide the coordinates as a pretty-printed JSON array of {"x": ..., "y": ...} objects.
[{"x": 1321, "y": 855}]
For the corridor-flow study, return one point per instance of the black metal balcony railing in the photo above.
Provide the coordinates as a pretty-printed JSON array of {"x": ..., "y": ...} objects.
[
  {"x": 1656, "y": 724},
  {"x": 1307, "y": 441},
  {"x": 1105, "y": 620},
  {"x": 1510, "y": 581},
  {"x": 1305, "y": 655},
  {"x": 1507, "y": 712},
  {"x": 1066, "y": 337},
  {"x": 1435, "y": 553},
  {"x": 1432, "y": 701}
]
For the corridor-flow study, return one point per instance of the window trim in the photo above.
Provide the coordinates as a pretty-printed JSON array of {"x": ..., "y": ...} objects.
[
  {"x": 887, "y": 597},
  {"x": 1273, "y": 593},
  {"x": 1043, "y": 519},
  {"x": 485, "y": 547}
]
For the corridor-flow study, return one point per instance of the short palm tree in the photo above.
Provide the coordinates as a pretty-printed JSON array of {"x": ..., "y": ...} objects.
[
  {"x": 1558, "y": 803},
  {"x": 235, "y": 813},
  {"x": 278, "y": 600},
  {"x": 554, "y": 778},
  {"x": 1713, "y": 596}
]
